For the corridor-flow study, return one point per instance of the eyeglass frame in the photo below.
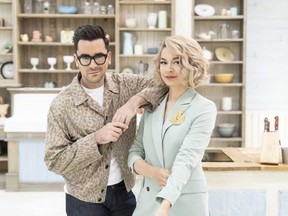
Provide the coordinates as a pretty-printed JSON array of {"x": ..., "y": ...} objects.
[{"x": 100, "y": 55}]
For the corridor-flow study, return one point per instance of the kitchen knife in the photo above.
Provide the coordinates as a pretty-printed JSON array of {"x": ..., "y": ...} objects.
[{"x": 276, "y": 126}]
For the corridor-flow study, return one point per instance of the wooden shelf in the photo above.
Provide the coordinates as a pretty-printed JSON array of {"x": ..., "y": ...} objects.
[
  {"x": 240, "y": 17},
  {"x": 151, "y": 2},
  {"x": 51, "y": 44},
  {"x": 6, "y": 28},
  {"x": 235, "y": 90},
  {"x": 66, "y": 16},
  {"x": 145, "y": 29}
]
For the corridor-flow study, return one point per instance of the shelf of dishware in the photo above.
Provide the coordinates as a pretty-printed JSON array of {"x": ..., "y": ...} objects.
[
  {"x": 6, "y": 28},
  {"x": 145, "y": 29}
]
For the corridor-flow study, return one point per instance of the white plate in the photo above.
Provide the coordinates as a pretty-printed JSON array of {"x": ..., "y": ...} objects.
[
  {"x": 204, "y": 10},
  {"x": 224, "y": 54}
]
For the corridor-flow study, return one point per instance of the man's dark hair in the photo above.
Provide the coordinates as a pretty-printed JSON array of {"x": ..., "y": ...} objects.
[{"x": 90, "y": 33}]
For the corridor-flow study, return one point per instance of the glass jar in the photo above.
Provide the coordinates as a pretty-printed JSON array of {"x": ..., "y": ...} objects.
[
  {"x": 103, "y": 9},
  {"x": 110, "y": 9},
  {"x": 87, "y": 9},
  {"x": 224, "y": 30},
  {"x": 96, "y": 8},
  {"x": 27, "y": 6}
]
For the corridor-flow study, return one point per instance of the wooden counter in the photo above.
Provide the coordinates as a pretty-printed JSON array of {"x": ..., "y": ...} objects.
[{"x": 243, "y": 159}]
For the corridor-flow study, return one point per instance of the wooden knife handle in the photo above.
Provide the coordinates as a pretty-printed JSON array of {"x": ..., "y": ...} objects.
[{"x": 276, "y": 123}]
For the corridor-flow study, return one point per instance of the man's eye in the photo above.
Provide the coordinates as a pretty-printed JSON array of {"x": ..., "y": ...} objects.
[{"x": 85, "y": 57}]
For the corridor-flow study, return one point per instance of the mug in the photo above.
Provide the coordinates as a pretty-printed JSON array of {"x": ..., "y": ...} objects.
[
  {"x": 226, "y": 103},
  {"x": 138, "y": 49}
]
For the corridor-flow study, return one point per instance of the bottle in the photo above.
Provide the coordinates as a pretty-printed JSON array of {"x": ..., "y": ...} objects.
[{"x": 27, "y": 6}]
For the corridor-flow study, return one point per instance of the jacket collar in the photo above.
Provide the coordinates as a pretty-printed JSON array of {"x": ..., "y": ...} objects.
[
  {"x": 158, "y": 116},
  {"x": 80, "y": 96}
]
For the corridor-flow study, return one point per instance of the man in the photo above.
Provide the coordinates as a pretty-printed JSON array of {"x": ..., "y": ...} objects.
[{"x": 86, "y": 142}]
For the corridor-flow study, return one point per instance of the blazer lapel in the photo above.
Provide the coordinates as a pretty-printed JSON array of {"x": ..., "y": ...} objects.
[
  {"x": 181, "y": 105},
  {"x": 157, "y": 124}
]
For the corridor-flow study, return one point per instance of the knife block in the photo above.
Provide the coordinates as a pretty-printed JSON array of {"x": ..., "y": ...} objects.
[{"x": 271, "y": 149}]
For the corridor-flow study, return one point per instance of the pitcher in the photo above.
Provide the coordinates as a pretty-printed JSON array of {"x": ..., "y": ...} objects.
[{"x": 129, "y": 41}]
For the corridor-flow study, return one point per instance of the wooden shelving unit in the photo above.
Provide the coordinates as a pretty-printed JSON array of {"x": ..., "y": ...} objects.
[
  {"x": 236, "y": 89},
  {"x": 146, "y": 37}
]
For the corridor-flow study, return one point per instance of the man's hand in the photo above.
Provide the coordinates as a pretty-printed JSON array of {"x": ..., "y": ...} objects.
[
  {"x": 125, "y": 113},
  {"x": 110, "y": 132}
]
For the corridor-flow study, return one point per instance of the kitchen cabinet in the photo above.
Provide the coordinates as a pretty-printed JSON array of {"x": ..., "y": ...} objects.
[
  {"x": 3, "y": 152},
  {"x": 224, "y": 26},
  {"x": 133, "y": 19},
  {"x": 51, "y": 25}
]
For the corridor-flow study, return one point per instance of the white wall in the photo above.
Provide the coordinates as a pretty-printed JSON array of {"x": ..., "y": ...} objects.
[
  {"x": 267, "y": 51},
  {"x": 267, "y": 55}
]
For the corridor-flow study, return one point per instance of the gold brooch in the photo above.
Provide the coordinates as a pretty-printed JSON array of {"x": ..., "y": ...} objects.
[{"x": 178, "y": 118}]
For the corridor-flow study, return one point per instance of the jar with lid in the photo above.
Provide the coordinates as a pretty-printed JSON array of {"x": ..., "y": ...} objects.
[
  {"x": 103, "y": 9},
  {"x": 27, "y": 6},
  {"x": 87, "y": 9},
  {"x": 110, "y": 9},
  {"x": 96, "y": 8},
  {"x": 46, "y": 7},
  {"x": 224, "y": 30}
]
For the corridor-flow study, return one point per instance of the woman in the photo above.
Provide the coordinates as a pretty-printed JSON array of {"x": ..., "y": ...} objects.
[{"x": 171, "y": 140}]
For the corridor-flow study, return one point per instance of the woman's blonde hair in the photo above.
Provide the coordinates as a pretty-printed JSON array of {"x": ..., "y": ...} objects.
[{"x": 194, "y": 65}]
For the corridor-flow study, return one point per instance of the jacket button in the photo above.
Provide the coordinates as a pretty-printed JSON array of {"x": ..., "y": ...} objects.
[
  {"x": 102, "y": 191},
  {"x": 106, "y": 167},
  {"x": 99, "y": 199},
  {"x": 148, "y": 189}
]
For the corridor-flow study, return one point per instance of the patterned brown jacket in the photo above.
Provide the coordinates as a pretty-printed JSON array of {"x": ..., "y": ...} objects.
[{"x": 71, "y": 147}]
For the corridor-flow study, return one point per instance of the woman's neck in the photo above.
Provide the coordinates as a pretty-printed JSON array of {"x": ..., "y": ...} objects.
[{"x": 175, "y": 93}]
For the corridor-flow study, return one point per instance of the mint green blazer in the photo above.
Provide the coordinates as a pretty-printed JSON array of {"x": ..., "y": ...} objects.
[{"x": 179, "y": 148}]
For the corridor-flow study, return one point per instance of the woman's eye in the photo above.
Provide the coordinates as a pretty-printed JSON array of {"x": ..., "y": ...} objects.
[
  {"x": 177, "y": 62},
  {"x": 162, "y": 62}
]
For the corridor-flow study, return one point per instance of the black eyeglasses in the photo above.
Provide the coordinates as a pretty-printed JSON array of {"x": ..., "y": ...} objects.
[{"x": 99, "y": 59}]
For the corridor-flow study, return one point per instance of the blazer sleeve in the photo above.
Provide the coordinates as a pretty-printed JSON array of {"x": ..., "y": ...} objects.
[
  {"x": 143, "y": 86},
  {"x": 190, "y": 153},
  {"x": 137, "y": 149}
]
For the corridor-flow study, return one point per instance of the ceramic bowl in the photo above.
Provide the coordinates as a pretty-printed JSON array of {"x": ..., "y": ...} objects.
[
  {"x": 226, "y": 129},
  {"x": 224, "y": 77},
  {"x": 130, "y": 22},
  {"x": 66, "y": 9},
  {"x": 152, "y": 50}
]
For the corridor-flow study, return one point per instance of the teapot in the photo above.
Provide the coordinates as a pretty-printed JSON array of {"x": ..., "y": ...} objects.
[
  {"x": 142, "y": 67},
  {"x": 129, "y": 41}
]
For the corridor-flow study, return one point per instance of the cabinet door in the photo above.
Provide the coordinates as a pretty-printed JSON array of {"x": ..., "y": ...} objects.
[{"x": 222, "y": 32}]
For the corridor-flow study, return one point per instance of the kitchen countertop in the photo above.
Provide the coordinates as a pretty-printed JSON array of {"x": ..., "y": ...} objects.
[{"x": 244, "y": 159}]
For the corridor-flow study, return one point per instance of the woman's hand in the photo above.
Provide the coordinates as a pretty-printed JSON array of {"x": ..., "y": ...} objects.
[
  {"x": 164, "y": 208},
  {"x": 160, "y": 175}
]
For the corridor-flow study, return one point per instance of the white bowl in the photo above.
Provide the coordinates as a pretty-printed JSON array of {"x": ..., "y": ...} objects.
[
  {"x": 226, "y": 129},
  {"x": 130, "y": 22}
]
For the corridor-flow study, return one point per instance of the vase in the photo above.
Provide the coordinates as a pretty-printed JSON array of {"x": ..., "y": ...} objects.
[{"x": 152, "y": 20}]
